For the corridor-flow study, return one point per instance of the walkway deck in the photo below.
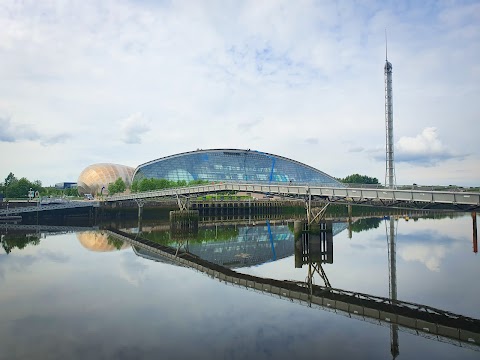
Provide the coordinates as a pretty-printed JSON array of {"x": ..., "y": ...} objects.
[
  {"x": 464, "y": 201},
  {"x": 49, "y": 207}
]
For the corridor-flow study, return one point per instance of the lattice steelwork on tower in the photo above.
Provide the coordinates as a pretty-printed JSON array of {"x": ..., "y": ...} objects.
[{"x": 390, "y": 166}]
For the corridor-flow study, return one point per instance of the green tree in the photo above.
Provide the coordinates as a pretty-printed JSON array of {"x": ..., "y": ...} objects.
[
  {"x": 9, "y": 180},
  {"x": 12, "y": 241},
  {"x": 117, "y": 187},
  {"x": 115, "y": 242},
  {"x": 359, "y": 179},
  {"x": 366, "y": 224},
  {"x": 19, "y": 188},
  {"x": 134, "y": 186},
  {"x": 160, "y": 184}
]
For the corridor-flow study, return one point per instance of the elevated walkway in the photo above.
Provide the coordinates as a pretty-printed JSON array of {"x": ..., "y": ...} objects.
[
  {"x": 422, "y": 199},
  {"x": 49, "y": 207}
]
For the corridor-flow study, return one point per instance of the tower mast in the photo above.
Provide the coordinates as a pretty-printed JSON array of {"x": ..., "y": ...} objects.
[{"x": 390, "y": 181}]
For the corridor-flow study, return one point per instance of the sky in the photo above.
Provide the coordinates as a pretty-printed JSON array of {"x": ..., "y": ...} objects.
[{"x": 126, "y": 82}]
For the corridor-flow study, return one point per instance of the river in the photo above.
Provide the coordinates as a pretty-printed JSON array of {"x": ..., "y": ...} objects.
[{"x": 84, "y": 294}]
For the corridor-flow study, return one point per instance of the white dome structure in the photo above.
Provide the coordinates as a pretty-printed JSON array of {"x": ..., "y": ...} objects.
[{"x": 98, "y": 176}]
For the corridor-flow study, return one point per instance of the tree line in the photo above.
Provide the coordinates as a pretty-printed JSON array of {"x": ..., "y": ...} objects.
[
  {"x": 160, "y": 184},
  {"x": 358, "y": 179},
  {"x": 151, "y": 184},
  {"x": 19, "y": 188},
  {"x": 15, "y": 188},
  {"x": 12, "y": 187}
]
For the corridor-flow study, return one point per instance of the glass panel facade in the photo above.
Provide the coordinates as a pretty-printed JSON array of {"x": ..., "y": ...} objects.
[{"x": 233, "y": 165}]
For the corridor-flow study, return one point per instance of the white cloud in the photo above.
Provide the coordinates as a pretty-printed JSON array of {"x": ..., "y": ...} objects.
[
  {"x": 430, "y": 255},
  {"x": 133, "y": 127},
  {"x": 202, "y": 72},
  {"x": 132, "y": 269},
  {"x": 424, "y": 149},
  {"x": 12, "y": 132}
]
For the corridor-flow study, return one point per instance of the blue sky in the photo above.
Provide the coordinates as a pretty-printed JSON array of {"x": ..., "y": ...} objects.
[{"x": 126, "y": 82}]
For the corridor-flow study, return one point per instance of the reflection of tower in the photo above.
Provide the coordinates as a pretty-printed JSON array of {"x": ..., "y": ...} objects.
[
  {"x": 392, "y": 283},
  {"x": 475, "y": 240},
  {"x": 390, "y": 166}
]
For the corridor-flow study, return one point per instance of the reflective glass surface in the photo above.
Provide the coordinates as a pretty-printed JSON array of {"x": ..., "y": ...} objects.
[{"x": 232, "y": 165}]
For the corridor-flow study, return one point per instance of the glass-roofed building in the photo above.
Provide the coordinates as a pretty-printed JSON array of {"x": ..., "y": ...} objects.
[{"x": 232, "y": 165}]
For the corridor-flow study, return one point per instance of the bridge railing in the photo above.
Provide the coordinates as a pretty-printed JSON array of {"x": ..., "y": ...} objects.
[{"x": 351, "y": 194}]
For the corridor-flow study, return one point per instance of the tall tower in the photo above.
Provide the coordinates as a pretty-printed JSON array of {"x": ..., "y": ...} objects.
[{"x": 389, "y": 166}]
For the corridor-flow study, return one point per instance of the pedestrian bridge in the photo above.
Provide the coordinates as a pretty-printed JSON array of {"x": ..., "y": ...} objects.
[
  {"x": 49, "y": 207},
  {"x": 423, "y": 199}
]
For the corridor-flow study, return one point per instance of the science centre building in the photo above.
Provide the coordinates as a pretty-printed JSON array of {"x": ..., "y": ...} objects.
[{"x": 209, "y": 165}]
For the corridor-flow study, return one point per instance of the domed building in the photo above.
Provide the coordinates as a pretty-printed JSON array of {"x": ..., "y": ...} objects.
[
  {"x": 97, "y": 177},
  {"x": 233, "y": 165}
]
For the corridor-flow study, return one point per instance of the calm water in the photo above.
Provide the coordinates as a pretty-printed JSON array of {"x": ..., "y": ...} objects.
[{"x": 84, "y": 295}]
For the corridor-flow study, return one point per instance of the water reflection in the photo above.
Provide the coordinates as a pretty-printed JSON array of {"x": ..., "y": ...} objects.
[
  {"x": 398, "y": 315},
  {"x": 100, "y": 242},
  {"x": 392, "y": 283},
  {"x": 13, "y": 236},
  {"x": 64, "y": 299},
  {"x": 237, "y": 246}
]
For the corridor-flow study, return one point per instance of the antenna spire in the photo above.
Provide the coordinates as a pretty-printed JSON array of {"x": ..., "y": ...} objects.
[{"x": 386, "y": 44}]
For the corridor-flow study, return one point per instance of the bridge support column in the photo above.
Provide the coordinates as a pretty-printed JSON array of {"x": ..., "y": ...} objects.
[
  {"x": 140, "y": 203},
  {"x": 315, "y": 214},
  {"x": 183, "y": 203},
  {"x": 313, "y": 246}
]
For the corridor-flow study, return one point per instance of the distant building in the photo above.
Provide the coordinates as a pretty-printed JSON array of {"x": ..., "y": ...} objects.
[{"x": 66, "y": 185}]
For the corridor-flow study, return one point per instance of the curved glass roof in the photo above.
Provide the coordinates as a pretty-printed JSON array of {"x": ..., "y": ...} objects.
[{"x": 232, "y": 165}]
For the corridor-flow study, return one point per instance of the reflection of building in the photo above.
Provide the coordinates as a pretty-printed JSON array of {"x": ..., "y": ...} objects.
[
  {"x": 100, "y": 242},
  {"x": 232, "y": 165},
  {"x": 98, "y": 176},
  {"x": 254, "y": 245}
]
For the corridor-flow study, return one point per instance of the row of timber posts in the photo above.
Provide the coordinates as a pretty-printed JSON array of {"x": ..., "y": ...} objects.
[
  {"x": 184, "y": 224},
  {"x": 233, "y": 208}
]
